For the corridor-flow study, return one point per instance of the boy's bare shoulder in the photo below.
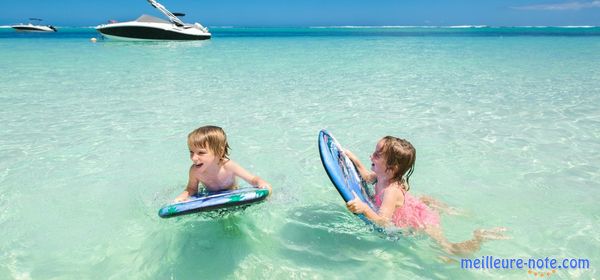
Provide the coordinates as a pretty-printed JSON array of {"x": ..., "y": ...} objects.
[{"x": 229, "y": 164}]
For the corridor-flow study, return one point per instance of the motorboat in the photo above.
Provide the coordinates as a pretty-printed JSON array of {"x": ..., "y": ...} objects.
[
  {"x": 152, "y": 28},
  {"x": 30, "y": 27}
]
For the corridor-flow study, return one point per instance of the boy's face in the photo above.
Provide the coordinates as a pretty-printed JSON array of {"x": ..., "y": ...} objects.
[{"x": 202, "y": 158}]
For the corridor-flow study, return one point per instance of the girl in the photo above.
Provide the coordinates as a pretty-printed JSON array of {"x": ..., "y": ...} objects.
[
  {"x": 392, "y": 163},
  {"x": 211, "y": 165}
]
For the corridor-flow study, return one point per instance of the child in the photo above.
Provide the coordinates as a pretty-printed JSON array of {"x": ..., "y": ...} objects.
[
  {"x": 211, "y": 165},
  {"x": 392, "y": 163}
]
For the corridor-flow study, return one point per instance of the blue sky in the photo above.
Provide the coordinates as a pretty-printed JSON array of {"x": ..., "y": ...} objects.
[{"x": 313, "y": 12}]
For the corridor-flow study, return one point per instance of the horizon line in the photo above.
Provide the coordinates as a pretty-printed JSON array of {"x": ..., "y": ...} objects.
[{"x": 466, "y": 26}]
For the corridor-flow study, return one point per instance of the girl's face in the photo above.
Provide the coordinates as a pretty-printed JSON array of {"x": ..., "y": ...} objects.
[
  {"x": 377, "y": 161},
  {"x": 203, "y": 158}
]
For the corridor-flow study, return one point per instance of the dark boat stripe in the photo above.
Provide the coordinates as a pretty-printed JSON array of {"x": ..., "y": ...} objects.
[{"x": 149, "y": 33}]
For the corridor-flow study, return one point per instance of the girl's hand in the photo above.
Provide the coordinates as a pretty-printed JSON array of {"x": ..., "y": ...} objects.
[
  {"x": 352, "y": 157},
  {"x": 347, "y": 152},
  {"x": 356, "y": 205}
]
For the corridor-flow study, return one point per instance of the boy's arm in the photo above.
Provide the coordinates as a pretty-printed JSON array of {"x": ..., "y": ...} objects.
[
  {"x": 369, "y": 176},
  {"x": 191, "y": 189},
  {"x": 247, "y": 176}
]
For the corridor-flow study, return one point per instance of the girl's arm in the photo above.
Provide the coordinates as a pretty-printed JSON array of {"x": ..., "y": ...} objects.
[
  {"x": 386, "y": 211},
  {"x": 367, "y": 175},
  {"x": 191, "y": 189},
  {"x": 247, "y": 176}
]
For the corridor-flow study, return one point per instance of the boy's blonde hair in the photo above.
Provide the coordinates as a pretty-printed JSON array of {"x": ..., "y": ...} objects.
[
  {"x": 400, "y": 157},
  {"x": 210, "y": 137}
]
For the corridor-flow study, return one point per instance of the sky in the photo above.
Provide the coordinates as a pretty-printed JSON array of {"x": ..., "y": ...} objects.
[{"x": 270, "y": 13}]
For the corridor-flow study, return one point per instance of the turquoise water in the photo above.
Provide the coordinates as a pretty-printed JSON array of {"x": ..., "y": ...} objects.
[{"x": 93, "y": 141}]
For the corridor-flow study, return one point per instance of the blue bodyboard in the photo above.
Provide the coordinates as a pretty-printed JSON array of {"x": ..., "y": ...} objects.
[
  {"x": 210, "y": 201},
  {"x": 341, "y": 171}
]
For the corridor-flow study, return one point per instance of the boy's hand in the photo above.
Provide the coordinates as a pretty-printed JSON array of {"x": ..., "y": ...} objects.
[
  {"x": 262, "y": 184},
  {"x": 181, "y": 198}
]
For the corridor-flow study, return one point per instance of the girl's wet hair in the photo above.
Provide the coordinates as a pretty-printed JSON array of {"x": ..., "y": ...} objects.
[
  {"x": 400, "y": 156},
  {"x": 210, "y": 137}
]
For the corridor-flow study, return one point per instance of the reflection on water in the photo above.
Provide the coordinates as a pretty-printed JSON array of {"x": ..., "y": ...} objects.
[{"x": 152, "y": 44}]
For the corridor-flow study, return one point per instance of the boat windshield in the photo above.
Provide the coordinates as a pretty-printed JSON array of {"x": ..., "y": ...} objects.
[{"x": 147, "y": 18}]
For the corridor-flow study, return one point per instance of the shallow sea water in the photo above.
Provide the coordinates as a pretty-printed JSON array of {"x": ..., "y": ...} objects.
[{"x": 93, "y": 141}]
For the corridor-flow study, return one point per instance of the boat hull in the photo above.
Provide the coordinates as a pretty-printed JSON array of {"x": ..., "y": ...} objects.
[
  {"x": 33, "y": 28},
  {"x": 151, "y": 33}
]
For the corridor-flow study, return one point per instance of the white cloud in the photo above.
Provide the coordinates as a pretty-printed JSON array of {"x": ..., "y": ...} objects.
[{"x": 562, "y": 6}]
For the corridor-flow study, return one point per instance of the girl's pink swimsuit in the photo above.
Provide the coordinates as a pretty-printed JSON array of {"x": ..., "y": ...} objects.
[{"x": 413, "y": 213}]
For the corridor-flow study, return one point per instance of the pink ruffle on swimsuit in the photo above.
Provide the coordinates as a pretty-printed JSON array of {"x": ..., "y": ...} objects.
[{"x": 413, "y": 213}]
